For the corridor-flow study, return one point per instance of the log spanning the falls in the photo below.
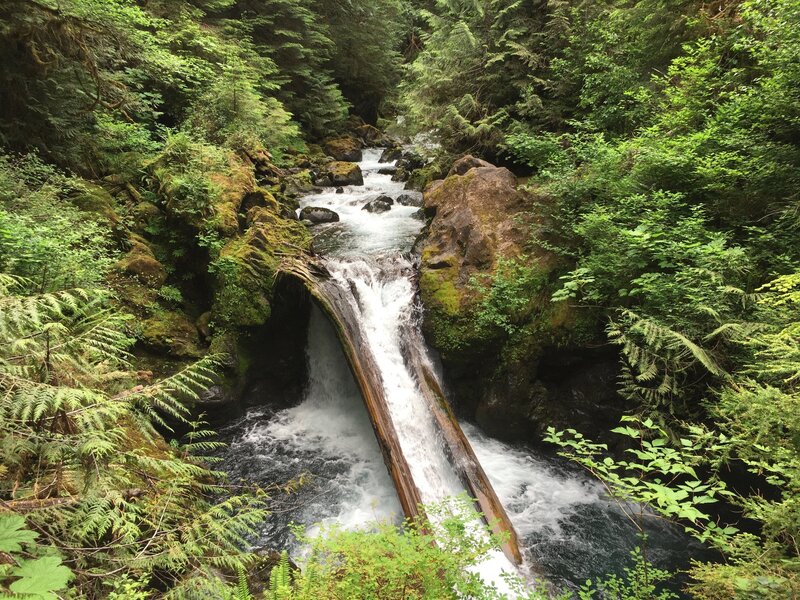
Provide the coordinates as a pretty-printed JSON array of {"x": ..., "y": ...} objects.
[
  {"x": 460, "y": 451},
  {"x": 333, "y": 300},
  {"x": 367, "y": 375}
]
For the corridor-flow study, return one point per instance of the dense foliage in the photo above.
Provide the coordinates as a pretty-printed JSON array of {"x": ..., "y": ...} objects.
[
  {"x": 142, "y": 147},
  {"x": 663, "y": 144}
]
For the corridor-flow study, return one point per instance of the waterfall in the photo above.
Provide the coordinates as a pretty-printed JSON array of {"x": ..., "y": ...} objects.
[{"x": 567, "y": 526}]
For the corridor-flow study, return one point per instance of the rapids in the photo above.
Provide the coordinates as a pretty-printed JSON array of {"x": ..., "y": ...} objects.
[{"x": 568, "y": 528}]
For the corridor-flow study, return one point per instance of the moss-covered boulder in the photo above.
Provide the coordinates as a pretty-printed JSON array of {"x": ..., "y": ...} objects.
[
  {"x": 338, "y": 173},
  {"x": 516, "y": 361},
  {"x": 246, "y": 268},
  {"x": 345, "y": 148},
  {"x": 371, "y": 136},
  {"x": 472, "y": 229},
  {"x": 145, "y": 214},
  {"x": 140, "y": 262},
  {"x": 98, "y": 202},
  {"x": 171, "y": 333}
]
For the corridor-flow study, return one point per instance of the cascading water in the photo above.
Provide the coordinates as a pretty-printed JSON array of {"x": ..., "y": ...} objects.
[{"x": 567, "y": 526}]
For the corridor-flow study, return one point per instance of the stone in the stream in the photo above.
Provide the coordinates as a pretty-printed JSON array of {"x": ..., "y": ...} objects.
[
  {"x": 346, "y": 148},
  {"x": 418, "y": 214},
  {"x": 318, "y": 214},
  {"x": 387, "y": 171},
  {"x": 391, "y": 155},
  {"x": 338, "y": 173},
  {"x": 340, "y": 190},
  {"x": 410, "y": 200},
  {"x": 378, "y": 205}
]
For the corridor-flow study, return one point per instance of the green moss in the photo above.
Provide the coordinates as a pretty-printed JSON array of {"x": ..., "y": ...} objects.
[
  {"x": 246, "y": 268},
  {"x": 171, "y": 333}
]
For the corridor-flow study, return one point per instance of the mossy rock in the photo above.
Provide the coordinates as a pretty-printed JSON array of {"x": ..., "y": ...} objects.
[
  {"x": 141, "y": 263},
  {"x": 338, "y": 173},
  {"x": 234, "y": 186},
  {"x": 371, "y": 136},
  {"x": 298, "y": 183},
  {"x": 171, "y": 333},
  {"x": 96, "y": 201},
  {"x": 145, "y": 214},
  {"x": 247, "y": 267},
  {"x": 345, "y": 148}
]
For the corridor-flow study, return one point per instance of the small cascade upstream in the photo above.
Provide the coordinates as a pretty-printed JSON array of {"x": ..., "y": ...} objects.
[{"x": 566, "y": 526}]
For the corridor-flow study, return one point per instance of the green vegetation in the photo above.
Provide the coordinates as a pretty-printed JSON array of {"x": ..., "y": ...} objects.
[
  {"x": 149, "y": 157},
  {"x": 664, "y": 139}
]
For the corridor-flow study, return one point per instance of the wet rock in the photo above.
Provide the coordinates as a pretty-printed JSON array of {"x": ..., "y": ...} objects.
[
  {"x": 391, "y": 155},
  {"x": 318, "y": 214},
  {"x": 410, "y": 200},
  {"x": 339, "y": 173},
  {"x": 216, "y": 396},
  {"x": 572, "y": 388},
  {"x": 411, "y": 161},
  {"x": 387, "y": 171},
  {"x": 380, "y": 204},
  {"x": 419, "y": 214},
  {"x": 346, "y": 148},
  {"x": 371, "y": 136},
  {"x": 339, "y": 190},
  {"x": 465, "y": 163}
]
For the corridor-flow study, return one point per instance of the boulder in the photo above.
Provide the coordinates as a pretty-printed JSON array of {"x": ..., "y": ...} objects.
[
  {"x": 339, "y": 190},
  {"x": 141, "y": 263},
  {"x": 387, "y": 171},
  {"x": 391, "y": 155},
  {"x": 476, "y": 223},
  {"x": 171, "y": 333},
  {"x": 318, "y": 214},
  {"x": 371, "y": 136},
  {"x": 346, "y": 148},
  {"x": 465, "y": 163},
  {"x": 410, "y": 200},
  {"x": 338, "y": 173},
  {"x": 378, "y": 205},
  {"x": 419, "y": 214}
]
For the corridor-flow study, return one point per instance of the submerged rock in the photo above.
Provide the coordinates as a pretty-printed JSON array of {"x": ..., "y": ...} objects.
[
  {"x": 378, "y": 205},
  {"x": 346, "y": 148},
  {"x": 318, "y": 214},
  {"x": 338, "y": 173}
]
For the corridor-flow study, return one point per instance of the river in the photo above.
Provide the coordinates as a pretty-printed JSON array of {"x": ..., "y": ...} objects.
[{"x": 568, "y": 529}]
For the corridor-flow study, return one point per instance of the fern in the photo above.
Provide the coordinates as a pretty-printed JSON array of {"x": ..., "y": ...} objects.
[
  {"x": 656, "y": 359},
  {"x": 82, "y": 459}
]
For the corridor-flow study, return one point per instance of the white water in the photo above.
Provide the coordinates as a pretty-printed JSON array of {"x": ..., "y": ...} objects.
[
  {"x": 366, "y": 260},
  {"x": 565, "y": 523}
]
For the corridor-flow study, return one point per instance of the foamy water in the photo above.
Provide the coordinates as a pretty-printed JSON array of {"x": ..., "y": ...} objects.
[{"x": 567, "y": 527}]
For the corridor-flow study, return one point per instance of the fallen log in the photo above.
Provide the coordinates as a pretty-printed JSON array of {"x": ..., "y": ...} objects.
[
  {"x": 460, "y": 451},
  {"x": 329, "y": 298}
]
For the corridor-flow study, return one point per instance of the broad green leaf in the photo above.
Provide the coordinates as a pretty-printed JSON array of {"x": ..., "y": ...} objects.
[
  {"x": 41, "y": 577},
  {"x": 13, "y": 533}
]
